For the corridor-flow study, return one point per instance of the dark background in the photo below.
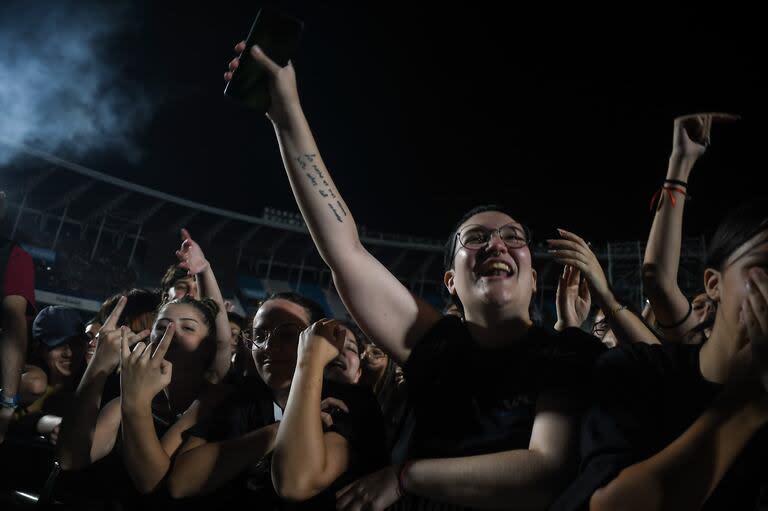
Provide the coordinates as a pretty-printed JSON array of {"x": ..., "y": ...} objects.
[{"x": 423, "y": 111}]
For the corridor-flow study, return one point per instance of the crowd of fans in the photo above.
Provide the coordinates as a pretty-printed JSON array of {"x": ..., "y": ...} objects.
[{"x": 168, "y": 398}]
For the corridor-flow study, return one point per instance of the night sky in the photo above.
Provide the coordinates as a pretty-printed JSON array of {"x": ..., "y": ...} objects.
[{"x": 422, "y": 112}]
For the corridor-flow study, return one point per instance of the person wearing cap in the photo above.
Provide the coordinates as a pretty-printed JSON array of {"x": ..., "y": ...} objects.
[{"x": 58, "y": 354}]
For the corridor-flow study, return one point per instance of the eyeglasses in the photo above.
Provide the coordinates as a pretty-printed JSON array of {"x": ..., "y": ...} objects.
[
  {"x": 475, "y": 237},
  {"x": 285, "y": 334},
  {"x": 373, "y": 352}
]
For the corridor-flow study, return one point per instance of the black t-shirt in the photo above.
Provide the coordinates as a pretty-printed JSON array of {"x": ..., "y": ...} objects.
[
  {"x": 471, "y": 400},
  {"x": 647, "y": 397},
  {"x": 362, "y": 427},
  {"x": 106, "y": 484}
]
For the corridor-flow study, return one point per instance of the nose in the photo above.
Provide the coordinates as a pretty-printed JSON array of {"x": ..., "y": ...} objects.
[{"x": 495, "y": 243}]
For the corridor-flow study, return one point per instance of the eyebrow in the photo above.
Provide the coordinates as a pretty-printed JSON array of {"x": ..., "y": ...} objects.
[{"x": 181, "y": 319}]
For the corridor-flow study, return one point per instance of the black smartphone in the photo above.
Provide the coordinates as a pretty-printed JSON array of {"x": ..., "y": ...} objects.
[{"x": 278, "y": 36}]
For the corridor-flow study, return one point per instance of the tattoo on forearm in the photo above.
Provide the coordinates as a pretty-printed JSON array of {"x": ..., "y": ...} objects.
[
  {"x": 319, "y": 175},
  {"x": 335, "y": 213}
]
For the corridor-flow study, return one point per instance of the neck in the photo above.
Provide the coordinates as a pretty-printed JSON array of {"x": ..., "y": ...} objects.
[
  {"x": 498, "y": 331},
  {"x": 717, "y": 354}
]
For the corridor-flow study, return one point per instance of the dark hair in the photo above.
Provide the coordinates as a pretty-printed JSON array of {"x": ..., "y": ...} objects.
[
  {"x": 360, "y": 337},
  {"x": 138, "y": 302},
  {"x": 314, "y": 311},
  {"x": 450, "y": 245},
  {"x": 739, "y": 226},
  {"x": 172, "y": 275},
  {"x": 449, "y": 251},
  {"x": 237, "y": 319},
  {"x": 208, "y": 309},
  {"x": 205, "y": 306}
]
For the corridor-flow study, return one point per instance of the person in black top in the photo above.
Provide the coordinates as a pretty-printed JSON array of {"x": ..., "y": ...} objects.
[
  {"x": 681, "y": 426},
  {"x": 229, "y": 458},
  {"x": 489, "y": 271}
]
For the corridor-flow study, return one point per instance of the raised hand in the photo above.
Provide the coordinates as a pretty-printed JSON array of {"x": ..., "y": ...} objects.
[
  {"x": 107, "y": 354},
  {"x": 692, "y": 133},
  {"x": 283, "y": 93},
  {"x": 321, "y": 342},
  {"x": 190, "y": 255},
  {"x": 574, "y": 251},
  {"x": 572, "y": 299},
  {"x": 144, "y": 374}
]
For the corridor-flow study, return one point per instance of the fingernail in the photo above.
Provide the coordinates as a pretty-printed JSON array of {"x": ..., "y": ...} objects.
[
  {"x": 748, "y": 285},
  {"x": 560, "y": 232},
  {"x": 255, "y": 50}
]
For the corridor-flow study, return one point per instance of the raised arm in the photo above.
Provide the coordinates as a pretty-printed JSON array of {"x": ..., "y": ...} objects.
[
  {"x": 691, "y": 136},
  {"x": 192, "y": 259},
  {"x": 88, "y": 434},
  {"x": 380, "y": 304},
  {"x": 143, "y": 375},
  {"x": 307, "y": 460}
]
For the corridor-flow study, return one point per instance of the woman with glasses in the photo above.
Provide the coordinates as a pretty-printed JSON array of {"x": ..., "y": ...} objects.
[
  {"x": 493, "y": 422},
  {"x": 291, "y": 435}
]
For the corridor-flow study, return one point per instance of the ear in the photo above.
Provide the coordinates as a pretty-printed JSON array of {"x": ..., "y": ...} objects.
[
  {"x": 712, "y": 284},
  {"x": 448, "y": 280},
  {"x": 535, "y": 276}
]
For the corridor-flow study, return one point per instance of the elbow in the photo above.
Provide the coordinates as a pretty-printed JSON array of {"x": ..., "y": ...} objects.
[
  {"x": 614, "y": 497},
  {"x": 292, "y": 486},
  {"x": 147, "y": 486},
  {"x": 176, "y": 487},
  {"x": 36, "y": 387}
]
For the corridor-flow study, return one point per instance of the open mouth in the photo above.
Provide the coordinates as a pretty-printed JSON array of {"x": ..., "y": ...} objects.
[
  {"x": 338, "y": 364},
  {"x": 495, "y": 269}
]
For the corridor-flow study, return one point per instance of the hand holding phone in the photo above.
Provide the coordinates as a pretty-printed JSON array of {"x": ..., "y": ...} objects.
[{"x": 278, "y": 38}]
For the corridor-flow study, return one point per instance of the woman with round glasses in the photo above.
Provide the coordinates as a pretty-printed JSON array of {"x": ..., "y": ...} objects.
[
  {"x": 272, "y": 445},
  {"x": 493, "y": 422}
]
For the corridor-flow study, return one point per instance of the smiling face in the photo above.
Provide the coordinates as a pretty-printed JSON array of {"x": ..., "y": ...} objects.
[
  {"x": 494, "y": 276},
  {"x": 65, "y": 359},
  {"x": 345, "y": 368}
]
